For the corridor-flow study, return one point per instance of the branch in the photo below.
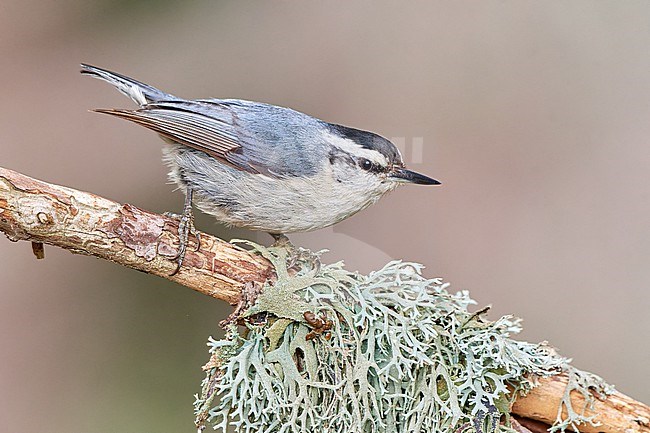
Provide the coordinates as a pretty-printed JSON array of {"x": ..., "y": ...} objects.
[
  {"x": 618, "y": 413},
  {"x": 85, "y": 223}
]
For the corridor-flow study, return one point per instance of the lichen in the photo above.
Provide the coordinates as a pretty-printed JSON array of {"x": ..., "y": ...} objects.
[
  {"x": 403, "y": 354},
  {"x": 587, "y": 384}
]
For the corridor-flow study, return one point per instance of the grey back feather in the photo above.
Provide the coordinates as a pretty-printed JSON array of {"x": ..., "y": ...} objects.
[
  {"x": 275, "y": 140},
  {"x": 250, "y": 136}
]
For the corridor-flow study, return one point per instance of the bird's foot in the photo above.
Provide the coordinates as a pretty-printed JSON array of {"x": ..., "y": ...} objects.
[
  {"x": 281, "y": 241},
  {"x": 185, "y": 228},
  {"x": 296, "y": 254}
]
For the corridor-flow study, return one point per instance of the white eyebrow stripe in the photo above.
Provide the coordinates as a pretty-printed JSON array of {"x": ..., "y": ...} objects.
[{"x": 355, "y": 149}]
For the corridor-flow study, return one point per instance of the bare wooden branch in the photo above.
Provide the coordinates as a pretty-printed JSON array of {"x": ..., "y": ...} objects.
[
  {"x": 617, "y": 413},
  {"x": 85, "y": 223}
]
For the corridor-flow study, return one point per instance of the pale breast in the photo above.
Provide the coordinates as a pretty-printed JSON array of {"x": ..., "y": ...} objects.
[{"x": 259, "y": 202}]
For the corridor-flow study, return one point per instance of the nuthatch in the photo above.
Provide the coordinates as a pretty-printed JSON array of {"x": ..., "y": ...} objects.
[{"x": 261, "y": 166}]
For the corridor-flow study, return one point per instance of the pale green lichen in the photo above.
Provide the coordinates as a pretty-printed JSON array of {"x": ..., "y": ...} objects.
[{"x": 403, "y": 355}]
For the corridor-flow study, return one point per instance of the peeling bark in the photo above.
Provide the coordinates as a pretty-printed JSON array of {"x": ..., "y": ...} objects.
[{"x": 85, "y": 223}]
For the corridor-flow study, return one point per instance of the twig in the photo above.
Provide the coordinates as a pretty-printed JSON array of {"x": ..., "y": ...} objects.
[
  {"x": 617, "y": 413},
  {"x": 85, "y": 223}
]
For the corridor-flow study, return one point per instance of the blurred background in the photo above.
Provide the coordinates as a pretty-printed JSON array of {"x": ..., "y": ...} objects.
[{"x": 534, "y": 115}]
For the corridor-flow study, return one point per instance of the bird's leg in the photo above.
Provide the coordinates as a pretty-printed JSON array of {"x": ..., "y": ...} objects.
[
  {"x": 295, "y": 253},
  {"x": 281, "y": 240},
  {"x": 185, "y": 227}
]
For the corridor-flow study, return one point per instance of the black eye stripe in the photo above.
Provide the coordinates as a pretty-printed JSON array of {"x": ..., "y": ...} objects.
[
  {"x": 369, "y": 140},
  {"x": 337, "y": 156},
  {"x": 373, "y": 167}
]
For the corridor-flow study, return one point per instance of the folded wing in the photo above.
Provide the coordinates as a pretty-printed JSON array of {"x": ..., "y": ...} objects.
[{"x": 209, "y": 128}]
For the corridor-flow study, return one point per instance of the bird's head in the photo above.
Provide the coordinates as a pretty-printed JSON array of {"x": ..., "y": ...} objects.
[{"x": 369, "y": 161}]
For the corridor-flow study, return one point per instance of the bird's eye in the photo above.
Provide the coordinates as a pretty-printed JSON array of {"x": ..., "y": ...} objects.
[{"x": 365, "y": 164}]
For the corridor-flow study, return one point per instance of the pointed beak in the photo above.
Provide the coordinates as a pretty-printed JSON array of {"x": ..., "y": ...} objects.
[{"x": 403, "y": 175}]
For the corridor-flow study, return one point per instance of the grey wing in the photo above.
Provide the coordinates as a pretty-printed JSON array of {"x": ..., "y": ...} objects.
[
  {"x": 276, "y": 141},
  {"x": 210, "y": 128}
]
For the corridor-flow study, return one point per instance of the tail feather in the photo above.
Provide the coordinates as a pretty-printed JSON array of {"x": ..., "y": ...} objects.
[{"x": 139, "y": 92}]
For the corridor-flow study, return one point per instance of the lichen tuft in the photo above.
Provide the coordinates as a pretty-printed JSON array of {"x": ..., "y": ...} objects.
[{"x": 402, "y": 355}]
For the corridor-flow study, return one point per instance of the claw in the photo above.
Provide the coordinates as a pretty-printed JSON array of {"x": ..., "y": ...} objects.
[
  {"x": 295, "y": 254},
  {"x": 197, "y": 236},
  {"x": 185, "y": 227},
  {"x": 281, "y": 240}
]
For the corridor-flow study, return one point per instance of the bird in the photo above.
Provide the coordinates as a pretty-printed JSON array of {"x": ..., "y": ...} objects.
[{"x": 260, "y": 166}]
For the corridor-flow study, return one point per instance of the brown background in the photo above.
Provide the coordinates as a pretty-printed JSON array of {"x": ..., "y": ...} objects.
[{"x": 535, "y": 115}]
